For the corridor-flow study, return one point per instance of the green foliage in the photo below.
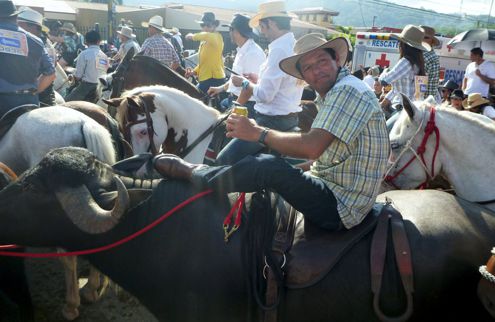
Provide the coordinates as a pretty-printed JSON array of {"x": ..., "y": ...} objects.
[{"x": 344, "y": 32}]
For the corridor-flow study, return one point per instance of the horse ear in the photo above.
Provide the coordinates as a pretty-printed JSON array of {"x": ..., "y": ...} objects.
[
  {"x": 408, "y": 106},
  {"x": 113, "y": 101}
]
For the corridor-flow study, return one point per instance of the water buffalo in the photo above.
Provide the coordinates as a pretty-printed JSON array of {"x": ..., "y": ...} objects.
[{"x": 182, "y": 270}]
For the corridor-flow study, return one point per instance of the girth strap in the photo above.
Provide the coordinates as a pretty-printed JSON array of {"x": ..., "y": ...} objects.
[
  {"x": 282, "y": 243},
  {"x": 402, "y": 255}
]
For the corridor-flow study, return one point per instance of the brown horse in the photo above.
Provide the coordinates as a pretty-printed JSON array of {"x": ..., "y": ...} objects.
[{"x": 140, "y": 70}]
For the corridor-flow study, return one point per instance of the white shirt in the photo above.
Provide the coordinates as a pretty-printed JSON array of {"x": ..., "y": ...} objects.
[
  {"x": 125, "y": 47},
  {"x": 178, "y": 37},
  {"x": 276, "y": 92},
  {"x": 369, "y": 80},
  {"x": 475, "y": 84},
  {"x": 248, "y": 59},
  {"x": 489, "y": 111},
  {"x": 91, "y": 63}
]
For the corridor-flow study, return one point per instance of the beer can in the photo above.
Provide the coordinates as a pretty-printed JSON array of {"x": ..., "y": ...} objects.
[{"x": 241, "y": 110}]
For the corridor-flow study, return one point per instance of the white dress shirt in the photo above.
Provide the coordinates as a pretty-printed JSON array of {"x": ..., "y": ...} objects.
[
  {"x": 276, "y": 92},
  {"x": 248, "y": 59}
]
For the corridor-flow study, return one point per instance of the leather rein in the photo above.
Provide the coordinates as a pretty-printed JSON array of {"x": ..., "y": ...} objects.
[
  {"x": 419, "y": 153},
  {"x": 151, "y": 131}
]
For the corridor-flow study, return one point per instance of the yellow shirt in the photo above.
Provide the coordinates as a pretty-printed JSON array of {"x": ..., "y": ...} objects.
[{"x": 210, "y": 55}]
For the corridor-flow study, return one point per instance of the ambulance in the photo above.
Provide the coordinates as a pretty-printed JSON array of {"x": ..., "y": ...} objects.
[{"x": 373, "y": 48}]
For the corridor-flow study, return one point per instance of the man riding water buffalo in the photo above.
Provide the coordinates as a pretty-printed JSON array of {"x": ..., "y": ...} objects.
[{"x": 348, "y": 141}]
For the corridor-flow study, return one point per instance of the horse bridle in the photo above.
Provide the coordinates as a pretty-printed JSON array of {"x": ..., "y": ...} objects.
[
  {"x": 418, "y": 154},
  {"x": 149, "y": 125},
  {"x": 151, "y": 131}
]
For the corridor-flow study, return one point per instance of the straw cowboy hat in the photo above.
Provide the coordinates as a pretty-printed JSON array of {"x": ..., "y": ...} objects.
[
  {"x": 68, "y": 26},
  {"x": 473, "y": 100},
  {"x": 311, "y": 42},
  {"x": 126, "y": 32},
  {"x": 7, "y": 9},
  {"x": 155, "y": 22},
  {"x": 413, "y": 36},
  {"x": 270, "y": 9},
  {"x": 430, "y": 33}
]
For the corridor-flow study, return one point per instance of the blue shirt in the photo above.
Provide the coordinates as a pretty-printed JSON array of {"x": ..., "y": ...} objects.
[{"x": 20, "y": 70}]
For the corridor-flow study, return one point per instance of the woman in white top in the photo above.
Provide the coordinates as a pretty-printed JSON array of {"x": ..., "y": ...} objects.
[{"x": 478, "y": 104}]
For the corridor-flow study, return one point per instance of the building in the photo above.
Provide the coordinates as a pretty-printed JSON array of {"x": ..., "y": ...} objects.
[{"x": 317, "y": 16}]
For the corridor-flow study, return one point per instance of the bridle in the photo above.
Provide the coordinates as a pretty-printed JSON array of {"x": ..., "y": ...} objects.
[
  {"x": 149, "y": 125},
  {"x": 151, "y": 131},
  {"x": 418, "y": 154}
]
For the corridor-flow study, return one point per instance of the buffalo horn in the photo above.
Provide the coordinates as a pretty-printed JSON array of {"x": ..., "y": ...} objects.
[{"x": 86, "y": 214}]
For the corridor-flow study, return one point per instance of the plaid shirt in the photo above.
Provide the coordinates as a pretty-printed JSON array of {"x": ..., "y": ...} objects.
[
  {"x": 354, "y": 163},
  {"x": 401, "y": 76},
  {"x": 161, "y": 49},
  {"x": 432, "y": 67}
]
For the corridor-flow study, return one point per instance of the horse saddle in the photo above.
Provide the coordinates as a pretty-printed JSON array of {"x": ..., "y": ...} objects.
[
  {"x": 315, "y": 252},
  {"x": 9, "y": 118}
]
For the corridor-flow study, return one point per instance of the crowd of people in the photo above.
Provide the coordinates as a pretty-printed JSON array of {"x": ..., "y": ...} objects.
[{"x": 347, "y": 147}]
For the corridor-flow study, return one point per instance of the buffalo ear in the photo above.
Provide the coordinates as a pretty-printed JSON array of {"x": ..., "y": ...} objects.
[
  {"x": 408, "y": 106},
  {"x": 113, "y": 101}
]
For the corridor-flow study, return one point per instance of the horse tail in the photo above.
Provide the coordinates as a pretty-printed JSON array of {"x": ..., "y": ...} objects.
[{"x": 99, "y": 142}]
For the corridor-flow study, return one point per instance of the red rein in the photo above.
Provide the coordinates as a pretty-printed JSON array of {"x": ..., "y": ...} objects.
[{"x": 430, "y": 128}]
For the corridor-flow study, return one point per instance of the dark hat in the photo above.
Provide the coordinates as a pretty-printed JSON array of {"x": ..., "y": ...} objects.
[
  {"x": 7, "y": 9},
  {"x": 457, "y": 93},
  {"x": 241, "y": 24},
  {"x": 209, "y": 18},
  {"x": 450, "y": 85}
]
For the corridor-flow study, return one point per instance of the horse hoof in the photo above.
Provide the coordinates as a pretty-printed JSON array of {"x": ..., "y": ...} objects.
[
  {"x": 70, "y": 314},
  {"x": 89, "y": 295}
]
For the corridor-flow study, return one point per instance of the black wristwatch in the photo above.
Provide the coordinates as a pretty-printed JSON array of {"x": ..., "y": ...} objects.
[{"x": 261, "y": 139}]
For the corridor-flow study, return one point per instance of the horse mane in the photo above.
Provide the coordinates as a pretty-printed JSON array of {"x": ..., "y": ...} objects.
[{"x": 469, "y": 118}]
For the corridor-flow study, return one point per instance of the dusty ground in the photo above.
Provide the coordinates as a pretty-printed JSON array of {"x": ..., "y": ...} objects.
[{"x": 46, "y": 280}]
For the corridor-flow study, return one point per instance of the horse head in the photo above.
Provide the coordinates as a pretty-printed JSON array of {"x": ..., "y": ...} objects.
[
  {"x": 412, "y": 152},
  {"x": 142, "y": 123}
]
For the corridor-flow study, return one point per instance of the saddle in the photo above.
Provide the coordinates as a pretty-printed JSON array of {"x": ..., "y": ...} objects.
[
  {"x": 307, "y": 253},
  {"x": 9, "y": 118}
]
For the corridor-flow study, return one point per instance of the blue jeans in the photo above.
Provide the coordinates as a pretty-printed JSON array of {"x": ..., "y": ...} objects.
[
  {"x": 237, "y": 149},
  {"x": 308, "y": 194},
  {"x": 9, "y": 101},
  {"x": 203, "y": 86}
]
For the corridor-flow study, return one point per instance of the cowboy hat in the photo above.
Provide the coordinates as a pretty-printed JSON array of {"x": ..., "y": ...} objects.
[
  {"x": 270, "y": 9},
  {"x": 473, "y": 100},
  {"x": 450, "y": 85},
  {"x": 68, "y": 26},
  {"x": 155, "y": 22},
  {"x": 457, "y": 93},
  {"x": 31, "y": 16},
  {"x": 126, "y": 32},
  {"x": 241, "y": 24},
  {"x": 7, "y": 9},
  {"x": 311, "y": 42},
  {"x": 430, "y": 33},
  {"x": 412, "y": 36},
  {"x": 208, "y": 18}
]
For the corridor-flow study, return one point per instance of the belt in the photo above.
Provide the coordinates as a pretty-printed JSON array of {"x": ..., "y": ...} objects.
[
  {"x": 31, "y": 91},
  {"x": 279, "y": 116}
]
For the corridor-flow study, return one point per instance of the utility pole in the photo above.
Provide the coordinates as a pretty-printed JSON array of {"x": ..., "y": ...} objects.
[
  {"x": 110, "y": 21},
  {"x": 489, "y": 14},
  {"x": 373, "y": 24}
]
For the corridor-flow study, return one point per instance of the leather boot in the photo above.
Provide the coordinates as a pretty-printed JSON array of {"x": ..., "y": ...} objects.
[{"x": 171, "y": 166}]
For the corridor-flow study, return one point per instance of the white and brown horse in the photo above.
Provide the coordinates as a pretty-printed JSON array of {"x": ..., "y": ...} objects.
[{"x": 428, "y": 141}]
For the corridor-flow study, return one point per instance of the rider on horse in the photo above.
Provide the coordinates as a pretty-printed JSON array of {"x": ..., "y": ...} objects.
[{"x": 348, "y": 140}]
